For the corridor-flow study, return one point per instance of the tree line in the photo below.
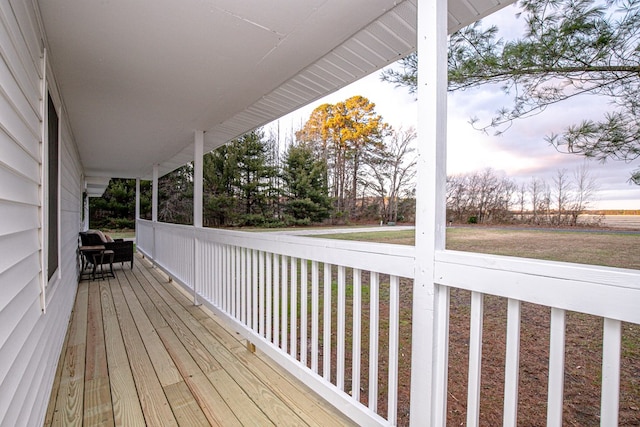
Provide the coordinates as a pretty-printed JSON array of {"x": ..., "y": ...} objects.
[
  {"x": 344, "y": 165},
  {"x": 488, "y": 197}
]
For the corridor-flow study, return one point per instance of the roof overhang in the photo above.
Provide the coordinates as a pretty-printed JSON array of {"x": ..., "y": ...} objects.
[
  {"x": 95, "y": 186},
  {"x": 138, "y": 77}
]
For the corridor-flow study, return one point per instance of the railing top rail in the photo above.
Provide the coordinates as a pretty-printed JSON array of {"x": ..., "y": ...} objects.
[
  {"x": 597, "y": 274},
  {"x": 601, "y": 291},
  {"x": 379, "y": 257}
]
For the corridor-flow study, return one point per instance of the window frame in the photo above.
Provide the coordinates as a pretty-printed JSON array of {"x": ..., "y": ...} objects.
[
  {"x": 49, "y": 278},
  {"x": 51, "y": 200}
]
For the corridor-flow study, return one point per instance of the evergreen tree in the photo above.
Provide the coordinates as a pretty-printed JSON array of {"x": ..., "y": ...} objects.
[
  {"x": 238, "y": 183},
  {"x": 254, "y": 178},
  {"x": 305, "y": 185},
  {"x": 116, "y": 208},
  {"x": 220, "y": 174}
]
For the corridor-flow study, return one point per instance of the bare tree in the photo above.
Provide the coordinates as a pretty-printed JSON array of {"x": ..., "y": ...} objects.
[
  {"x": 487, "y": 183},
  {"x": 506, "y": 191},
  {"x": 562, "y": 188},
  {"x": 402, "y": 166},
  {"x": 391, "y": 170},
  {"x": 536, "y": 191},
  {"x": 487, "y": 196},
  {"x": 480, "y": 197},
  {"x": 456, "y": 197},
  {"x": 545, "y": 205},
  {"x": 585, "y": 188},
  {"x": 522, "y": 199}
]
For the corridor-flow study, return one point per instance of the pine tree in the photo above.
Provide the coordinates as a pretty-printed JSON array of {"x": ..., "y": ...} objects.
[
  {"x": 569, "y": 48},
  {"x": 305, "y": 185}
]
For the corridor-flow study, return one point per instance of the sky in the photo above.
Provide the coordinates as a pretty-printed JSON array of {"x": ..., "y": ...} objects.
[{"x": 520, "y": 154}]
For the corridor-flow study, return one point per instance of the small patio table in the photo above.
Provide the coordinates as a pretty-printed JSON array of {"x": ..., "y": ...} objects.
[{"x": 95, "y": 255}]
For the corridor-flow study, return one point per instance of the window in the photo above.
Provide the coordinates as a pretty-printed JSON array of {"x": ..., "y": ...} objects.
[{"x": 52, "y": 187}]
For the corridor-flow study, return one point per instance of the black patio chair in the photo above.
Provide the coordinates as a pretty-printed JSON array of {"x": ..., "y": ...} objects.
[{"x": 122, "y": 249}]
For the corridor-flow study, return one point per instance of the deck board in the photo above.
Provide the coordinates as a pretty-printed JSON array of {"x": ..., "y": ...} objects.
[
  {"x": 48, "y": 419},
  {"x": 139, "y": 353},
  {"x": 153, "y": 401},
  {"x": 185, "y": 407},
  {"x": 69, "y": 403},
  {"x": 126, "y": 402},
  {"x": 97, "y": 392},
  {"x": 236, "y": 371},
  {"x": 166, "y": 370}
]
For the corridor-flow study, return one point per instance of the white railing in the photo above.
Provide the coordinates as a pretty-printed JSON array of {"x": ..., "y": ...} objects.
[
  {"x": 612, "y": 294},
  {"x": 259, "y": 280},
  {"x": 301, "y": 300}
]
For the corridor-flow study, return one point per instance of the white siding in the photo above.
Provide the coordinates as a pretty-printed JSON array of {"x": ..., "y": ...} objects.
[{"x": 30, "y": 340}]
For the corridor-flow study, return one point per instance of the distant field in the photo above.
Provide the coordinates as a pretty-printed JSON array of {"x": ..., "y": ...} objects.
[
  {"x": 613, "y": 221},
  {"x": 597, "y": 248}
]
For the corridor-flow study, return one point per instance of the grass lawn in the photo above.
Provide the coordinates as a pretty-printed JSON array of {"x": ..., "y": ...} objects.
[
  {"x": 583, "y": 344},
  {"x": 598, "y": 248},
  {"x": 121, "y": 234}
]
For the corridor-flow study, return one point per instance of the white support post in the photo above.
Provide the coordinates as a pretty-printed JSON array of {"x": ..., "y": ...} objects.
[
  {"x": 85, "y": 206},
  {"x": 429, "y": 349},
  {"x": 610, "y": 395},
  {"x": 154, "y": 195},
  {"x": 555, "y": 395},
  {"x": 137, "y": 207},
  {"x": 197, "y": 178},
  {"x": 198, "y": 153},
  {"x": 326, "y": 323},
  {"x": 374, "y": 328},
  {"x": 512, "y": 364},
  {"x": 357, "y": 332},
  {"x": 154, "y": 210},
  {"x": 475, "y": 359}
]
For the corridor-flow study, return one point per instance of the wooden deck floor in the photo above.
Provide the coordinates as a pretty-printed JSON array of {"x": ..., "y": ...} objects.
[{"x": 139, "y": 353}]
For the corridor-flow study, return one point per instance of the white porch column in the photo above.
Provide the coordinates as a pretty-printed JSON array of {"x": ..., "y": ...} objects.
[
  {"x": 197, "y": 177},
  {"x": 154, "y": 211},
  {"x": 429, "y": 349},
  {"x": 85, "y": 207},
  {"x": 154, "y": 195},
  {"x": 137, "y": 216},
  {"x": 198, "y": 152}
]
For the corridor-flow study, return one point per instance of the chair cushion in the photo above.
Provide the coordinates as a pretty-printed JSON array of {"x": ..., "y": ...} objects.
[{"x": 105, "y": 238}]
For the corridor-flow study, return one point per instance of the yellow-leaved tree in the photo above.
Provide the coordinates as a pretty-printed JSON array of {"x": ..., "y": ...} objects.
[{"x": 342, "y": 134}]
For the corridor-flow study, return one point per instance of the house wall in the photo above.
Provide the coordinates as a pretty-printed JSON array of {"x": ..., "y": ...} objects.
[{"x": 31, "y": 338}]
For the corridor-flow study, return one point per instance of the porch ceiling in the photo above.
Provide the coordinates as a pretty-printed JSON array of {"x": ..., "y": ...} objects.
[{"x": 138, "y": 77}]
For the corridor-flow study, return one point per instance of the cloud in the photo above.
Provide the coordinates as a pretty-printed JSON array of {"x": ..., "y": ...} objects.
[{"x": 523, "y": 151}]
